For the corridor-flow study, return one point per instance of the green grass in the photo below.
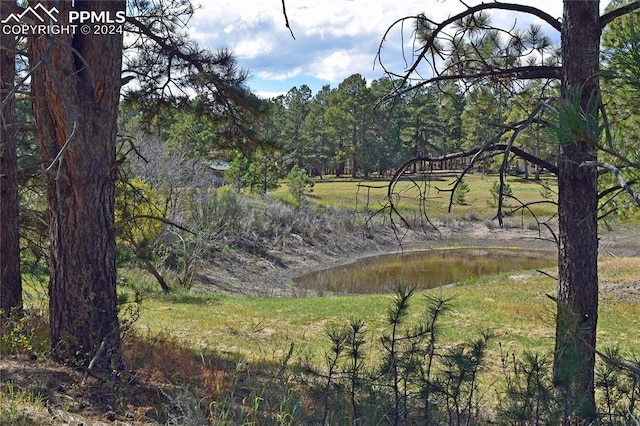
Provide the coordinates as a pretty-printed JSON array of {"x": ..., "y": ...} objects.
[
  {"x": 518, "y": 311},
  {"x": 259, "y": 331},
  {"x": 351, "y": 194},
  {"x": 18, "y": 407},
  {"x": 255, "y": 328}
]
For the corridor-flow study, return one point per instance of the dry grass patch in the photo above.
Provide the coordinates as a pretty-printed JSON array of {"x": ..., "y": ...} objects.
[{"x": 623, "y": 269}]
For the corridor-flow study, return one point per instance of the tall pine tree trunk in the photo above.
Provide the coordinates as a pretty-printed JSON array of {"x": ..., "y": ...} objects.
[
  {"x": 10, "y": 279},
  {"x": 76, "y": 87},
  {"x": 578, "y": 231}
]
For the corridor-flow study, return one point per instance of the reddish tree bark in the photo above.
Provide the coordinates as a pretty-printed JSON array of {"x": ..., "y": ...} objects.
[{"x": 76, "y": 88}]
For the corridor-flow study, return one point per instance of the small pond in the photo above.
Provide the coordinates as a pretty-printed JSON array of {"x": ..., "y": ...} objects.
[{"x": 423, "y": 269}]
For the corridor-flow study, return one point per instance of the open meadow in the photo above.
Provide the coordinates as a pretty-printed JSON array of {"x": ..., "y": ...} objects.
[
  {"x": 516, "y": 309},
  {"x": 222, "y": 214},
  {"x": 198, "y": 355},
  {"x": 436, "y": 189}
]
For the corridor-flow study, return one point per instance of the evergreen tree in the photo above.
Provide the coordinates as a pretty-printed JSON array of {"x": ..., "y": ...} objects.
[
  {"x": 349, "y": 114},
  {"x": 467, "y": 47}
]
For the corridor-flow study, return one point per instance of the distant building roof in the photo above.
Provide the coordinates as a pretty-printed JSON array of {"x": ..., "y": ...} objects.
[{"x": 220, "y": 165}]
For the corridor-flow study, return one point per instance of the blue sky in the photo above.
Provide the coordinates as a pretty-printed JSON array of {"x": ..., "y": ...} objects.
[{"x": 334, "y": 38}]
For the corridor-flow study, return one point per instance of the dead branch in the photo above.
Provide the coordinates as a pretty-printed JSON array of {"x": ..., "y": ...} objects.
[
  {"x": 151, "y": 217},
  {"x": 476, "y": 154},
  {"x": 618, "y": 174},
  {"x": 286, "y": 19}
]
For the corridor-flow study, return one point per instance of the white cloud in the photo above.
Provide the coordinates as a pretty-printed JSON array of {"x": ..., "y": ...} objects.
[
  {"x": 334, "y": 38},
  {"x": 340, "y": 64},
  {"x": 265, "y": 94},
  {"x": 254, "y": 48},
  {"x": 266, "y": 75}
]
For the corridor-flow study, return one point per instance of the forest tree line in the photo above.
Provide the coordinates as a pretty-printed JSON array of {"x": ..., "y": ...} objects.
[{"x": 346, "y": 131}]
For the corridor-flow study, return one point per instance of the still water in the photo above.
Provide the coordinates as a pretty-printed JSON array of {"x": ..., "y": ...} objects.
[{"x": 423, "y": 269}]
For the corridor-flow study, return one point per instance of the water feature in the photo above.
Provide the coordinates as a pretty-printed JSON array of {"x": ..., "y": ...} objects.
[{"x": 423, "y": 269}]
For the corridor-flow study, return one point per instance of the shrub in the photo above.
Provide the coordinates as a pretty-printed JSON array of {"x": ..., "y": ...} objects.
[
  {"x": 495, "y": 192},
  {"x": 529, "y": 396},
  {"x": 419, "y": 381},
  {"x": 26, "y": 334},
  {"x": 235, "y": 175},
  {"x": 460, "y": 193},
  {"x": 299, "y": 182},
  {"x": 137, "y": 207}
]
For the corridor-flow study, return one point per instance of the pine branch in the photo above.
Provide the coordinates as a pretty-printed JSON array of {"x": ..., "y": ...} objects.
[{"x": 623, "y": 183}]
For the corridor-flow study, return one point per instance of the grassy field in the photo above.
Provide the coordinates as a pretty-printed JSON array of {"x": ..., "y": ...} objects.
[
  {"x": 515, "y": 307},
  {"x": 261, "y": 335},
  {"x": 371, "y": 194},
  {"x": 518, "y": 311},
  {"x": 232, "y": 347}
]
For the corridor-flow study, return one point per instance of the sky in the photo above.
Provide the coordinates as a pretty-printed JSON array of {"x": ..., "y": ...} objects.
[{"x": 333, "y": 38}]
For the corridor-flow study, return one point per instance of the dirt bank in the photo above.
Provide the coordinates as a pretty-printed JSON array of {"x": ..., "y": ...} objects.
[{"x": 241, "y": 273}]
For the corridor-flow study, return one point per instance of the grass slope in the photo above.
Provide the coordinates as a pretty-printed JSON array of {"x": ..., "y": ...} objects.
[
  {"x": 176, "y": 334},
  {"x": 515, "y": 306}
]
